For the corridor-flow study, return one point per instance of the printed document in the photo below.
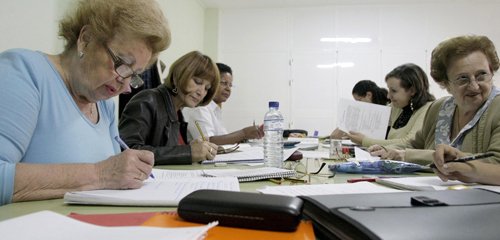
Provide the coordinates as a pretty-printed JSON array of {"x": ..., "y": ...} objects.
[{"x": 367, "y": 118}]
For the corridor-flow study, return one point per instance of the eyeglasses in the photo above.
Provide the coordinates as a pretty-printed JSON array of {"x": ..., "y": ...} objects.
[
  {"x": 480, "y": 78},
  {"x": 302, "y": 170},
  {"x": 125, "y": 71},
  {"x": 222, "y": 150},
  {"x": 225, "y": 84}
]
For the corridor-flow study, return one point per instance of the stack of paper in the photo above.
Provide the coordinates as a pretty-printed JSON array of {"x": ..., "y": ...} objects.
[
  {"x": 50, "y": 225},
  {"x": 428, "y": 184},
  {"x": 246, "y": 155}
]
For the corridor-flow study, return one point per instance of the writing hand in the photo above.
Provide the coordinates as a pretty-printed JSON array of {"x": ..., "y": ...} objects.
[
  {"x": 202, "y": 150},
  {"x": 126, "y": 170}
]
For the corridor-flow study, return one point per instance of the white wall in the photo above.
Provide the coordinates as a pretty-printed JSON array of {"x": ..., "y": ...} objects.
[{"x": 269, "y": 48}]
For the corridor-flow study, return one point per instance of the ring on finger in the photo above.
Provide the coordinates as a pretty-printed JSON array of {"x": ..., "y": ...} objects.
[
  {"x": 210, "y": 150},
  {"x": 140, "y": 177}
]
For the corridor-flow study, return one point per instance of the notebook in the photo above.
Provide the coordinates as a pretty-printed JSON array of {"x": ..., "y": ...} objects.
[
  {"x": 159, "y": 192},
  {"x": 249, "y": 175}
]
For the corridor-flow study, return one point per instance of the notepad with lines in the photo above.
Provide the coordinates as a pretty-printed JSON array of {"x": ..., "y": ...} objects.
[{"x": 249, "y": 175}]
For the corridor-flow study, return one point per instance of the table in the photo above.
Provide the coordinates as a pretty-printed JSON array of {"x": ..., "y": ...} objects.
[{"x": 57, "y": 205}]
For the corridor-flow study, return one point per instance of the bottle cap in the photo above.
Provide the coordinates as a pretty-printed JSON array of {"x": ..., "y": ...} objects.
[{"x": 274, "y": 104}]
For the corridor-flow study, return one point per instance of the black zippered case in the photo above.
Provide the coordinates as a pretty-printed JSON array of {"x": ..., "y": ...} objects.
[{"x": 242, "y": 209}]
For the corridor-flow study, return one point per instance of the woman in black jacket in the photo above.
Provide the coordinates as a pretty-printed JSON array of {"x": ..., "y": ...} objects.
[{"x": 153, "y": 120}]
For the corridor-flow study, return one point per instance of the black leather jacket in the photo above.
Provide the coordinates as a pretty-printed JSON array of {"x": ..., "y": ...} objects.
[{"x": 149, "y": 122}]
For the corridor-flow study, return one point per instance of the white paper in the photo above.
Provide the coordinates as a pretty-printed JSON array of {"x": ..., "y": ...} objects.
[
  {"x": 362, "y": 155},
  {"x": 429, "y": 183},
  {"x": 246, "y": 172},
  {"x": 303, "y": 140},
  {"x": 315, "y": 154},
  {"x": 159, "y": 192},
  {"x": 367, "y": 118},
  {"x": 54, "y": 226},
  {"x": 247, "y": 155},
  {"x": 324, "y": 189}
]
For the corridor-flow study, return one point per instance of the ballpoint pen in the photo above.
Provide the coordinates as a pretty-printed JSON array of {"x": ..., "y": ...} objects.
[
  {"x": 125, "y": 146},
  {"x": 466, "y": 159},
  {"x": 199, "y": 129}
]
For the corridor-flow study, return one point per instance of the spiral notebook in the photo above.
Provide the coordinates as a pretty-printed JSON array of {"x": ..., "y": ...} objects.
[{"x": 249, "y": 175}]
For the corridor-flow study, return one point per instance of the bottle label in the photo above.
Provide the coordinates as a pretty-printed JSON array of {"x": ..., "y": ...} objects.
[{"x": 274, "y": 125}]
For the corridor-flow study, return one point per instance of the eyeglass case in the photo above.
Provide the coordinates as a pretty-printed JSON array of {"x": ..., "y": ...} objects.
[{"x": 243, "y": 210}]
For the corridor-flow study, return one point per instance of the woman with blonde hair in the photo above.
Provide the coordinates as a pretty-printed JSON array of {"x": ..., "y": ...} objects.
[
  {"x": 153, "y": 119},
  {"x": 57, "y": 120}
]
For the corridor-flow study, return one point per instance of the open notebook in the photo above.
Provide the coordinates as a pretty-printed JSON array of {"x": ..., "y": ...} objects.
[{"x": 165, "y": 190}]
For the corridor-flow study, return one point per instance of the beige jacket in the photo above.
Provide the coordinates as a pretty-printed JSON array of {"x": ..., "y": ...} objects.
[
  {"x": 401, "y": 134},
  {"x": 482, "y": 138}
]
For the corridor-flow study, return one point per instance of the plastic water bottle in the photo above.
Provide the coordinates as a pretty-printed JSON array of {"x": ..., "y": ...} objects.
[{"x": 273, "y": 136}]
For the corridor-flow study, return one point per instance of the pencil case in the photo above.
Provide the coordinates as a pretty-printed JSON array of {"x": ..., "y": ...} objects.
[{"x": 242, "y": 209}]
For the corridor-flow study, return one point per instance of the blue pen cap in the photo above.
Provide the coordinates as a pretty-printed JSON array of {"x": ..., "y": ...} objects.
[{"x": 274, "y": 104}]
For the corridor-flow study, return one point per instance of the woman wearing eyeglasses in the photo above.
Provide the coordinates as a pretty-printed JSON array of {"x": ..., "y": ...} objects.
[
  {"x": 210, "y": 117},
  {"x": 152, "y": 120},
  {"x": 57, "y": 121},
  {"x": 469, "y": 120}
]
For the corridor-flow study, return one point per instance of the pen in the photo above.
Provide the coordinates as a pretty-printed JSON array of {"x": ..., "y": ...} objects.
[
  {"x": 466, "y": 159},
  {"x": 275, "y": 181},
  {"x": 124, "y": 146},
  {"x": 254, "y": 122},
  {"x": 367, "y": 179},
  {"x": 199, "y": 129}
]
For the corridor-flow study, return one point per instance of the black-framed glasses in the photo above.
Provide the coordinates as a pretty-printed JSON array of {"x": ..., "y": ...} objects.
[
  {"x": 480, "y": 78},
  {"x": 302, "y": 170},
  {"x": 225, "y": 84},
  {"x": 125, "y": 71}
]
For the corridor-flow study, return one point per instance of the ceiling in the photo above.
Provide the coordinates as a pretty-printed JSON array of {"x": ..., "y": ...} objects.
[{"x": 244, "y": 4}]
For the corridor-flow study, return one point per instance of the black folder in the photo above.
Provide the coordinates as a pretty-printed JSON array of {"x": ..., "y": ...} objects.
[{"x": 462, "y": 214}]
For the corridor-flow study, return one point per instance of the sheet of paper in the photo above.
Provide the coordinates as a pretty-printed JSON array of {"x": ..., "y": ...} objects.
[
  {"x": 165, "y": 192},
  {"x": 303, "y": 140},
  {"x": 54, "y": 226},
  {"x": 248, "y": 155},
  {"x": 367, "y": 118},
  {"x": 324, "y": 189},
  {"x": 315, "y": 154},
  {"x": 429, "y": 183},
  {"x": 362, "y": 155}
]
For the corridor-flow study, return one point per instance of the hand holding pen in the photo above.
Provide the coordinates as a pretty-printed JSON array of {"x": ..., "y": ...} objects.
[
  {"x": 466, "y": 159},
  {"x": 125, "y": 146},
  {"x": 448, "y": 165},
  {"x": 201, "y": 148}
]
